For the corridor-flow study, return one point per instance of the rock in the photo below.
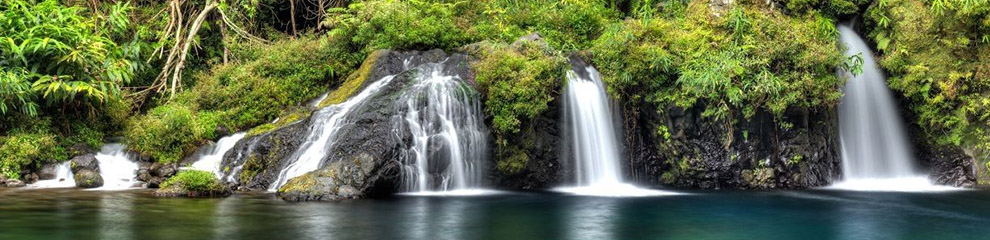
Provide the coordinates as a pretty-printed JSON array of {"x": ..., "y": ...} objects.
[
  {"x": 15, "y": 183},
  {"x": 48, "y": 171},
  {"x": 720, "y": 7},
  {"x": 85, "y": 161},
  {"x": 165, "y": 170},
  {"x": 3, "y": 180},
  {"x": 342, "y": 180},
  {"x": 221, "y": 131},
  {"x": 30, "y": 178},
  {"x": 81, "y": 149},
  {"x": 86, "y": 178}
]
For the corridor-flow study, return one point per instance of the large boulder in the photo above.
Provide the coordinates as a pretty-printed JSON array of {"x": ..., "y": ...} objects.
[
  {"x": 87, "y": 178},
  {"x": 85, "y": 161},
  {"x": 343, "y": 180},
  {"x": 48, "y": 171}
]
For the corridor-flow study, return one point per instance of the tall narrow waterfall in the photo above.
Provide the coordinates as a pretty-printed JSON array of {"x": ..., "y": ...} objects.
[
  {"x": 449, "y": 139},
  {"x": 321, "y": 134},
  {"x": 210, "y": 159},
  {"x": 117, "y": 167},
  {"x": 594, "y": 145},
  {"x": 875, "y": 152}
]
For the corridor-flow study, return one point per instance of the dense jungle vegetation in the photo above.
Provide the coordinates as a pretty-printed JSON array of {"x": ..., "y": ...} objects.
[{"x": 168, "y": 76}]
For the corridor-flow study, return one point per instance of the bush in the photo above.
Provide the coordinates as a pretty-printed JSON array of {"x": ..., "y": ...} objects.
[
  {"x": 236, "y": 96},
  {"x": 518, "y": 83},
  {"x": 746, "y": 61},
  {"x": 936, "y": 55},
  {"x": 193, "y": 181},
  {"x": 21, "y": 149}
]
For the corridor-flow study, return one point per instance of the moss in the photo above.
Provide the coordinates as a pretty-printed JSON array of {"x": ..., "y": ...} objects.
[
  {"x": 282, "y": 122},
  {"x": 192, "y": 183},
  {"x": 353, "y": 83}
]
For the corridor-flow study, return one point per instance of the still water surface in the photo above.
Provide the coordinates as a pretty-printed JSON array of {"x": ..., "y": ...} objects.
[{"x": 75, "y": 214}]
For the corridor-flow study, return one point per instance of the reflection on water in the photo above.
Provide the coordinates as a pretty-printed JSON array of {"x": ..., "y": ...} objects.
[
  {"x": 592, "y": 219},
  {"x": 74, "y": 214}
]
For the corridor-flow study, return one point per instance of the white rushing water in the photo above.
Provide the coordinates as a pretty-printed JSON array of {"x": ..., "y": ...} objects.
[
  {"x": 876, "y": 155},
  {"x": 117, "y": 168},
  {"x": 211, "y": 159},
  {"x": 63, "y": 178},
  {"x": 594, "y": 144},
  {"x": 449, "y": 139},
  {"x": 311, "y": 153}
]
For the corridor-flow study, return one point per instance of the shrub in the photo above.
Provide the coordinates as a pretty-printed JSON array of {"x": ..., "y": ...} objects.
[
  {"x": 237, "y": 96},
  {"x": 746, "y": 61},
  {"x": 193, "y": 180},
  {"x": 21, "y": 149}
]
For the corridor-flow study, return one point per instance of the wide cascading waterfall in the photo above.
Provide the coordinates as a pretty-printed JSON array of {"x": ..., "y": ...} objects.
[
  {"x": 117, "y": 168},
  {"x": 63, "y": 178},
  {"x": 594, "y": 145},
  {"x": 311, "y": 153},
  {"x": 210, "y": 159},
  {"x": 449, "y": 137},
  {"x": 876, "y": 154}
]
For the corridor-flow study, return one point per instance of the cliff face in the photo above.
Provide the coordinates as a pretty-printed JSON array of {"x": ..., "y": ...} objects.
[{"x": 799, "y": 150}]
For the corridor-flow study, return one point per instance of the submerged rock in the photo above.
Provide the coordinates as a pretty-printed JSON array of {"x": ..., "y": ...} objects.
[{"x": 87, "y": 178}]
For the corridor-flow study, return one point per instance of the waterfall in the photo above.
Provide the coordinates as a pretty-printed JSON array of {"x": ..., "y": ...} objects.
[
  {"x": 117, "y": 167},
  {"x": 449, "y": 139},
  {"x": 326, "y": 122},
  {"x": 875, "y": 152},
  {"x": 594, "y": 145},
  {"x": 63, "y": 178},
  {"x": 210, "y": 160}
]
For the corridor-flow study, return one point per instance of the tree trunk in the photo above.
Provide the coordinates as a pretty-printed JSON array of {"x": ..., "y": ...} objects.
[{"x": 292, "y": 13}]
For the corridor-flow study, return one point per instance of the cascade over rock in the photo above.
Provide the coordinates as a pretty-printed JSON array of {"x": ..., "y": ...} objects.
[{"x": 368, "y": 148}]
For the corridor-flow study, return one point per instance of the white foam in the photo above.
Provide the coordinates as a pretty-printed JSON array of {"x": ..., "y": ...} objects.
[
  {"x": 903, "y": 184},
  {"x": 615, "y": 190},
  {"x": 459, "y": 192},
  {"x": 63, "y": 178}
]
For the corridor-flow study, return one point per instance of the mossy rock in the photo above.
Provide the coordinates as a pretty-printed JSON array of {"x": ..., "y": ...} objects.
[
  {"x": 193, "y": 183},
  {"x": 354, "y": 82},
  {"x": 87, "y": 178}
]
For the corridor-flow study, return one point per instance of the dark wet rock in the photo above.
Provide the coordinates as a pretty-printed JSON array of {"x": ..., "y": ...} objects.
[
  {"x": 29, "y": 177},
  {"x": 48, "y": 171},
  {"x": 14, "y": 183},
  {"x": 755, "y": 153},
  {"x": 540, "y": 142},
  {"x": 341, "y": 180},
  {"x": 221, "y": 131},
  {"x": 87, "y": 178},
  {"x": 156, "y": 173},
  {"x": 81, "y": 149},
  {"x": 85, "y": 161}
]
